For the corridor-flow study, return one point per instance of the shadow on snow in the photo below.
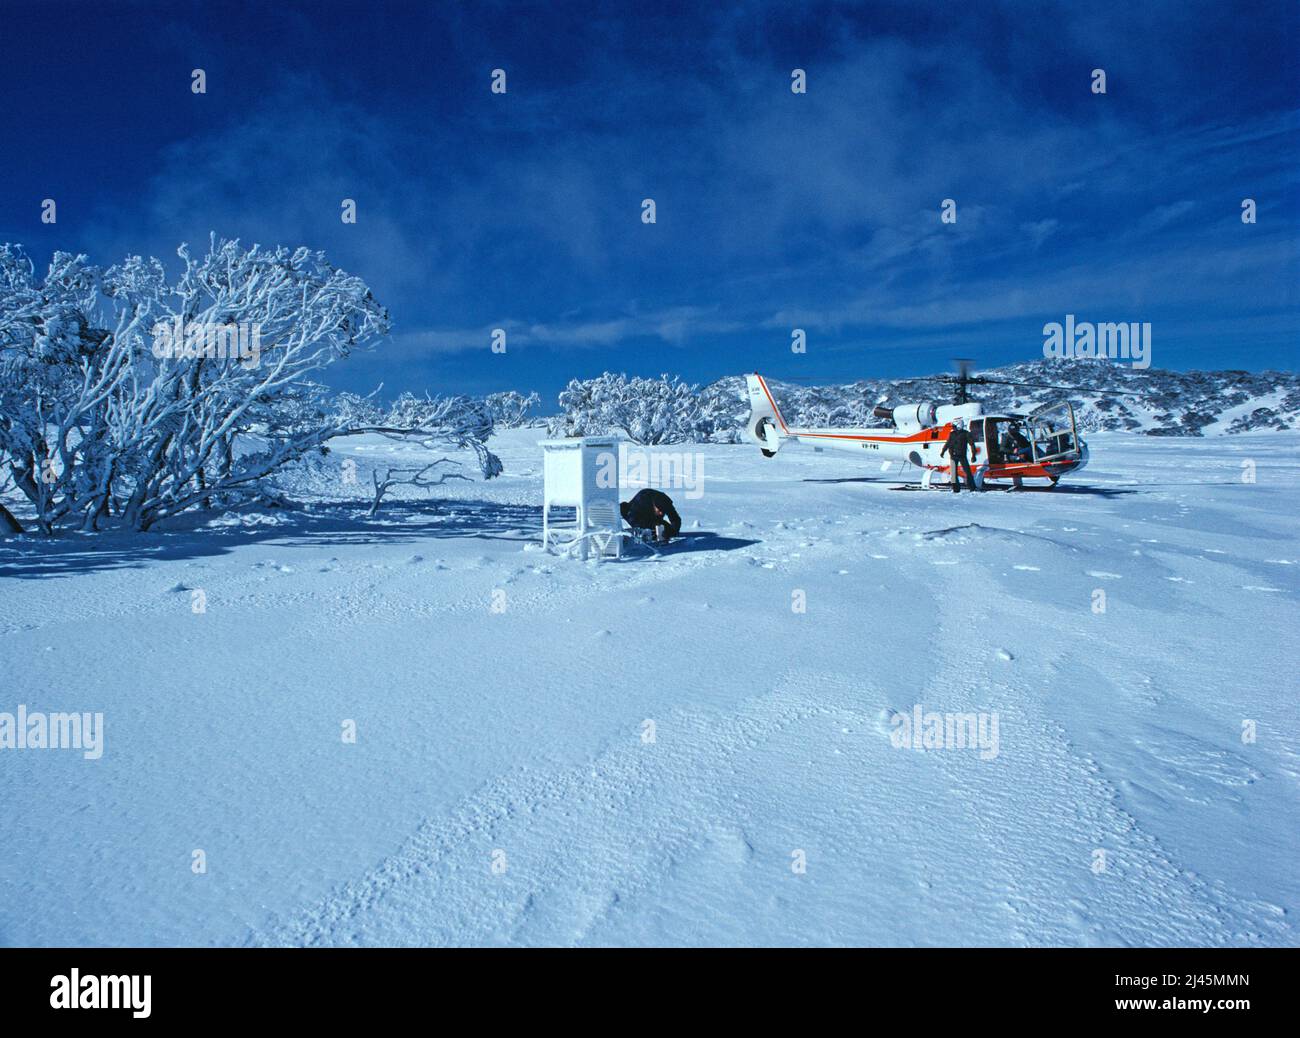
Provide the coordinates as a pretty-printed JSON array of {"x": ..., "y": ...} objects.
[{"x": 321, "y": 526}]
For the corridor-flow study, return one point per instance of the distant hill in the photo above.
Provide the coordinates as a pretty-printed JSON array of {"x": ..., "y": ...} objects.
[{"x": 1167, "y": 403}]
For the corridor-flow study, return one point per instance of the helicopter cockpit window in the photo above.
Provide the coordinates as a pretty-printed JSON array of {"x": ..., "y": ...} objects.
[{"x": 1053, "y": 432}]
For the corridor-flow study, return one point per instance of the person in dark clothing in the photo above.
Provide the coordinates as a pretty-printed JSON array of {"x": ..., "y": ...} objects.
[
  {"x": 1016, "y": 449},
  {"x": 957, "y": 447},
  {"x": 652, "y": 510},
  {"x": 1015, "y": 446}
]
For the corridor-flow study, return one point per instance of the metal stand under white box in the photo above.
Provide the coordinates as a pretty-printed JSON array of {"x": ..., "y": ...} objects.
[{"x": 582, "y": 473}]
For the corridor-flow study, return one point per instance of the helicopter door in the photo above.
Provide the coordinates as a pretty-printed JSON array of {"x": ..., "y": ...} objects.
[
  {"x": 1053, "y": 433},
  {"x": 994, "y": 431},
  {"x": 977, "y": 450}
]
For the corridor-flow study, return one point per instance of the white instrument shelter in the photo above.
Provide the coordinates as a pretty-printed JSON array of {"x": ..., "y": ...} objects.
[{"x": 582, "y": 473}]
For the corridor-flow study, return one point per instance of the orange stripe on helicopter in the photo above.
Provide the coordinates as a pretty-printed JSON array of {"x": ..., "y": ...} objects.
[
  {"x": 925, "y": 435},
  {"x": 775, "y": 410}
]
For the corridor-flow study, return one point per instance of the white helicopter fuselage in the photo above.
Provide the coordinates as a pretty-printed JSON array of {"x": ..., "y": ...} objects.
[{"x": 918, "y": 437}]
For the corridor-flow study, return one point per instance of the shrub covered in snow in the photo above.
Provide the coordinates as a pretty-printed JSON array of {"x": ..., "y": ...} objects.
[
  {"x": 512, "y": 410},
  {"x": 725, "y": 406},
  {"x": 128, "y": 398},
  {"x": 645, "y": 410},
  {"x": 436, "y": 424}
]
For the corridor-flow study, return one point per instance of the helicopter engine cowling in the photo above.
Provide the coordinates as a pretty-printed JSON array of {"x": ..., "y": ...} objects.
[
  {"x": 910, "y": 416},
  {"x": 968, "y": 411}
]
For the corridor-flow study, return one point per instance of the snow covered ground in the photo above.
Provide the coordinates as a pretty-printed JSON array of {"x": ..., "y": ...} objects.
[{"x": 503, "y": 786}]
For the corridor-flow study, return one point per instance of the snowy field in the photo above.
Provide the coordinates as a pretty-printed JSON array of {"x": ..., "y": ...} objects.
[{"x": 503, "y": 787}]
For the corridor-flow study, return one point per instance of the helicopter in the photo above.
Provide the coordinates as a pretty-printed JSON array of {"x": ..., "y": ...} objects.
[{"x": 1044, "y": 444}]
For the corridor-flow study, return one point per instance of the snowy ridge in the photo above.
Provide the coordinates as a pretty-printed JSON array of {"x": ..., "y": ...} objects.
[{"x": 1168, "y": 403}]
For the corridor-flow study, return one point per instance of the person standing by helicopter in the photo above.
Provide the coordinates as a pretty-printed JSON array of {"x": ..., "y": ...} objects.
[{"x": 957, "y": 447}]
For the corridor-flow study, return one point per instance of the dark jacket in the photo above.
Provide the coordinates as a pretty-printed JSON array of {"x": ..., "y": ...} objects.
[
  {"x": 958, "y": 445},
  {"x": 640, "y": 512},
  {"x": 1015, "y": 445}
]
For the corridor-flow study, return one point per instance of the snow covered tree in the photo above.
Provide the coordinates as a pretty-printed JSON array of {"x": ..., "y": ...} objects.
[
  {"x": 61, "y": 364},
  {"x": 436, "y": 424},
  {"x": 725, "y": 406},
  {"x": 126, "y": 397},
  {"x": 512, "y": 410},
  {"x": 647, "y": 411}
]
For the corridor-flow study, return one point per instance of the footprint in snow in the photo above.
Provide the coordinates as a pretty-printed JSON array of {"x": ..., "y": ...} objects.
[{"x": 1003, "y": 654}]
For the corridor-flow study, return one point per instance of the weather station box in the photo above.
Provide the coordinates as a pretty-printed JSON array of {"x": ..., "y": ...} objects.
[
  {"x": 580, "y": 469},
  {"x": 581, "y": 473}
]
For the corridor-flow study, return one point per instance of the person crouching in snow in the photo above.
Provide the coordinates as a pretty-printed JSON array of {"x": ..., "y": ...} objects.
[{"x": 652, "y": 510}]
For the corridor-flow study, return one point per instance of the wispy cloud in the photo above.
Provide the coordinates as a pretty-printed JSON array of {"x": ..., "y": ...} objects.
[{"x": 774, "y": 210}]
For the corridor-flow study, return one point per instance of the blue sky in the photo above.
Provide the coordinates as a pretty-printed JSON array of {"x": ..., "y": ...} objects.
[{"x": 774, "y": 210}]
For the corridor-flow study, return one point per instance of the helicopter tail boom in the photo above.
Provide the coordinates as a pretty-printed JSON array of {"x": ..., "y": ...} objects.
[{"x": 765, "y": 425}]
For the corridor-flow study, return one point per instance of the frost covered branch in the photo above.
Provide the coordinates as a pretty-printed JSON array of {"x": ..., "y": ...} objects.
[
  {"x": 129, "y": 398},
  {"x": 411, "y": 477}
]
